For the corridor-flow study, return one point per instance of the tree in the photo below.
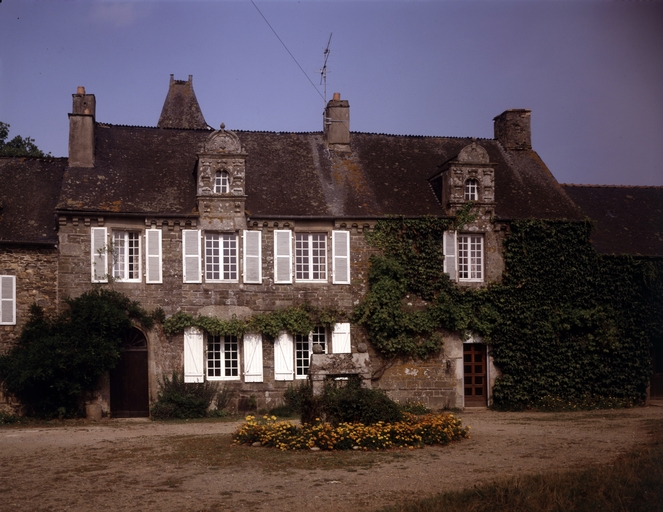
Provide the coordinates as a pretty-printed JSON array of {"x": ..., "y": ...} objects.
[{"x": 18, "y": 146}]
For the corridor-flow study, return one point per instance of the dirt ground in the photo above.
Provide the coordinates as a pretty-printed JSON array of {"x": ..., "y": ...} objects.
[{"x": 138, "y": 464}]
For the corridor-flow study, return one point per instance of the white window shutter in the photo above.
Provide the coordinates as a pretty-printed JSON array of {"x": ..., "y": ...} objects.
[
  {"x": 282, "y": 256},
  {"x": 99, "y": 255},
  {"x": 253, "y": 257},
  {"x": 450, "y": 254},
  {"x": 252, "y": 357},
  {"x": 284, "y": 357},
  {"x": 341, "y": 339},
  {"x": 153, "y": 270},
  {"x": 191, "y": 256},
  {"x": 341, "y": 257},
  {"x": 8, "y": 300},
  {"x": 194, "y": 367}
]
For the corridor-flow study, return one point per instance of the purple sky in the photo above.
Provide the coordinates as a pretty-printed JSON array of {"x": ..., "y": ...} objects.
[{"x": 590, "y": 71}]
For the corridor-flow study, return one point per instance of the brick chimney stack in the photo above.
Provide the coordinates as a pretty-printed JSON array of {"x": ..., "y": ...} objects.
[
  {"x": 337, "y": 122},
  {"x": 81, "y": 129},
  {"x": 513, "y": 130}
]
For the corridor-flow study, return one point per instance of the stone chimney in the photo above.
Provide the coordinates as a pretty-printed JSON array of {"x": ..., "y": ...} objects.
[
  {"x": 512, "y": 129},
  {"x": 181, "y": 108},
  {"x": 337, "y": 122},
  {"x": 81, "y": 129}
]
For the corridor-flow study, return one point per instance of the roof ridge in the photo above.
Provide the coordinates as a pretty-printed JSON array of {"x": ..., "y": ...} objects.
[{"x": 608, "y": 186}]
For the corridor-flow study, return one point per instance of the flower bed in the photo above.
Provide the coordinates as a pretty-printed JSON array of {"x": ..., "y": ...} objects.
[{"x": 413, "y": 432}]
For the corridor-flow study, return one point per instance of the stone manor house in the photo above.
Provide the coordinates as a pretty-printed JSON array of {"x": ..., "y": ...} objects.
[{"x": 218, "y": 222}]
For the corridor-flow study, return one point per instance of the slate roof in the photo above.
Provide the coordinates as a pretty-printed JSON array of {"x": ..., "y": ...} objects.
[
  {"x": 152, "y": 170},
  {"x": 181, "y": 108},
  {"x": 29, "y": 192},
  {"x": 629, "y": 220}
]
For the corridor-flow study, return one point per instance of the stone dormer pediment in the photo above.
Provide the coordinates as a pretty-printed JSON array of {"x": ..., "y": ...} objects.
[{"x": 220, "y": 182}]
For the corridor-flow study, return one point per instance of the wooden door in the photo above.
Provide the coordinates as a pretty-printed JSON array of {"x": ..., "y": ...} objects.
[
  {"x": 129, "y": 380},
  {"x": 474, "y": 375}
]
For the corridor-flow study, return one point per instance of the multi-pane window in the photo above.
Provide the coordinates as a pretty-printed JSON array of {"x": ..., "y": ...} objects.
[
  {"x": 221, "y": 182},
  {"x": 470, "y": 257},
  {"x": 126, "y": 255},
  {"x": 222, "y": 357},
  {"x": 471, "y": 190},
  {"x": 311, "y": 257},
  {"x": 304, "y": 348},
  {"x": 221, "y": 257}
]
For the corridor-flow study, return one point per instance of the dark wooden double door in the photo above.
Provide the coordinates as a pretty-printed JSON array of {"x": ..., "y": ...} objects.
[
  {"x": 475, "y": 385},
  {"x": 129, "y": 387}
]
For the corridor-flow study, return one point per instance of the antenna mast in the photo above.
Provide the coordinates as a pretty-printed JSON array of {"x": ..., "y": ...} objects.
[{"x": 323, "y": 71}]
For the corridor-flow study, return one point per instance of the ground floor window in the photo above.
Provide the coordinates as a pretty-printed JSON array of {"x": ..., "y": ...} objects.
[
  {"x": 222, "y": 357},
  {"x": 304, "y": 348}
]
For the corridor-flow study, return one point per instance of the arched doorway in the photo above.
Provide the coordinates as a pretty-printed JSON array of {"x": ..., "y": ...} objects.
[{"x": 129, "y": 393}]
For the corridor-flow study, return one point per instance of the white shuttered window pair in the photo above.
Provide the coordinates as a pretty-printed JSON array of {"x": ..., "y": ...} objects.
[
  {"x": 126, "y": 256},
  {"x": 226, "y": 353},
  {"x": 311, "y": 257},
  {"x": 7, "y": 300},
  {"x": 288, "y": 361}
]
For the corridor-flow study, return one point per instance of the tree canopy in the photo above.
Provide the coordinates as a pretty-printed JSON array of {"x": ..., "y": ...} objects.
[{"x": 18, "y": 146}]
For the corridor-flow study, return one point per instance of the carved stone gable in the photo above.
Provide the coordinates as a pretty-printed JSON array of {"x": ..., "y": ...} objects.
[{"x": 222, "y": 141}]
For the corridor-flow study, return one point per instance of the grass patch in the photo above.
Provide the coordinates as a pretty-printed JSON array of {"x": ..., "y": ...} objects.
[{"x": 633, "y": 482}]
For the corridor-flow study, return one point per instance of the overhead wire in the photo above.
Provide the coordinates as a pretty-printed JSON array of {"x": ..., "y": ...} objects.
[{"x": 286, "y": 49}]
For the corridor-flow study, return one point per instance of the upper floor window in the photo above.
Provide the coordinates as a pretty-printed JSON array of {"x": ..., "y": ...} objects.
[
  {"x": 126, "y": 255},
  {"x": 221, "y": 182},
  {"x": 470, "y": 257},
  {"x": 221, "y": 257},
  {"x": 471, "y": 190},
  {"x": 311, "y": 257},
  {"x": 7, "y": 300},
  {"x": 304, "y": 348},
  {"x": 222, "y": 357}
]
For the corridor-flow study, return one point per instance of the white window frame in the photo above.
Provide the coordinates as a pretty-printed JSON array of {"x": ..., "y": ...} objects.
[
  {"x": 282, "y": 256},
  {"x": 252, "y": 356},
  {"x": 221, "y": 182},
  {"x": 304, "y": 348},
  {"x": 252, "y": 253},
  {"x": 340, "y": 257},
  {"x": 123, "y": 243},
  {"x": 227, "y": 243},
  {"x": 7, "y": 300},
  {"x": 307, "y": 257},
  {"x": 470, "y": 258},
  {"x": 449, "y": 248},
  {"x": 191, "y": 260},
  {"x": 194, "y": 366},
  {"x": 99, "y": 255},
  {"x": 471, "y": 189},
  {"x": 153, "y": 256},
  {"x": 225, "y": 360}
]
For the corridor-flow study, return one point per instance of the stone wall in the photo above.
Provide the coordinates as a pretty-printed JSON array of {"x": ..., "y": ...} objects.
[{"x": 434, "y": 382}]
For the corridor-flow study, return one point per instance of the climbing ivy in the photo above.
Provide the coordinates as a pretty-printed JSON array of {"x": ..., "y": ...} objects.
[
  {"x": 300, "y": 319},
  {"x": 565, "y": 322}
]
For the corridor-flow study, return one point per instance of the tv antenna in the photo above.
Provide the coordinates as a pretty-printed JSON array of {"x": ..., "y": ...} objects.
[{"x": 323, "y": 71}]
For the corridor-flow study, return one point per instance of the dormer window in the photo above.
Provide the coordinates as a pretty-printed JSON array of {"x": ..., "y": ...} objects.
[
  {"x": 471, "y": 190},
  {"x": 221, "y": 182}
]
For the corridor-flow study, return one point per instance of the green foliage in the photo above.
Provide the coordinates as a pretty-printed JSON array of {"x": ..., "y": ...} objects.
[
  {"x": 299, "y": 319},
  {"x": 8, "y": 418},
  {"x": 183, "y": 400},
  {"x": 18, "y": 146},
  {"x": 57, "y": 360},
  {"x": 565, "y": 323},
  {"x": 344, "y": 402},
  {"x": 417, "y": 408}
]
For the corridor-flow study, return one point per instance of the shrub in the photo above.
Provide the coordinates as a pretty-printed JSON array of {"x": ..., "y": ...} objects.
[
  {"x": 183, "y": 400},
  {"x": 8, "y": 418},
  {"x": 418, "y": 408},
  {"x": 58, "y": 359},
  {"x": 343, "y": 402}
]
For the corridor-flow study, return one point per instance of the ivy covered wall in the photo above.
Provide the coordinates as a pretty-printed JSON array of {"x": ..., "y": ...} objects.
[{"x": 565, "y": 323}]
